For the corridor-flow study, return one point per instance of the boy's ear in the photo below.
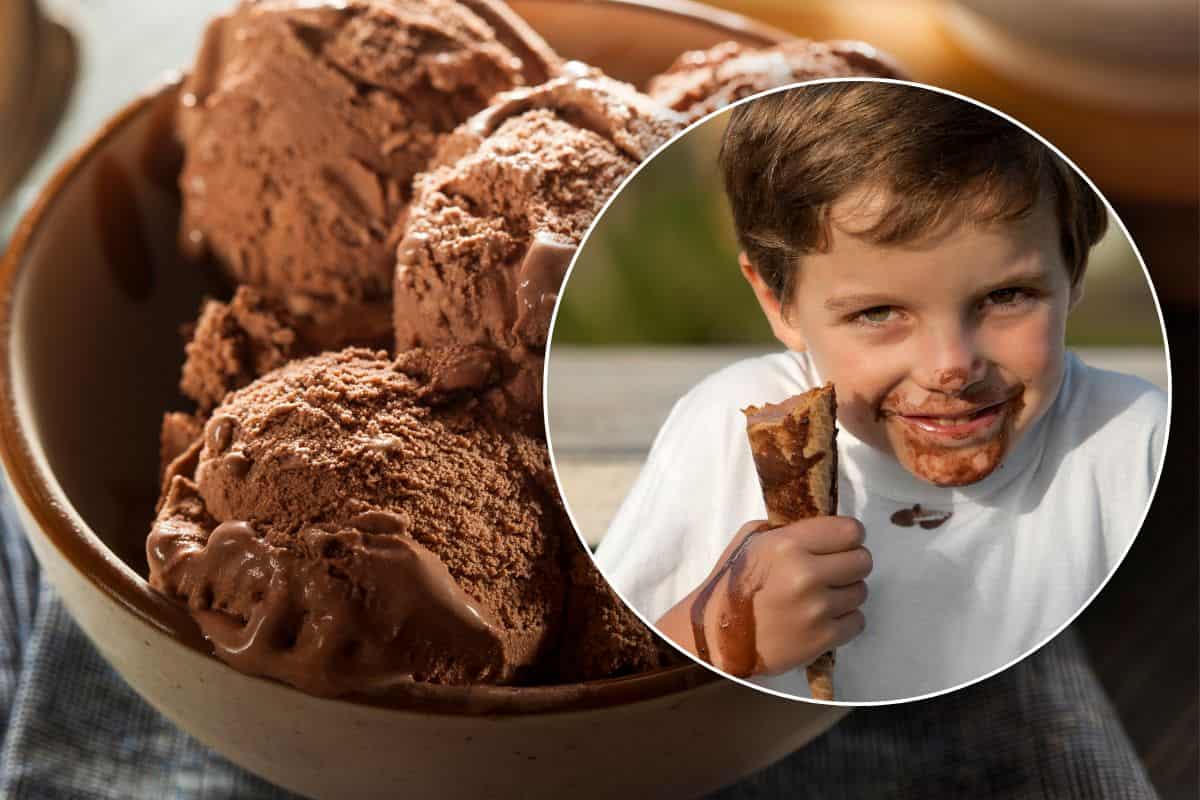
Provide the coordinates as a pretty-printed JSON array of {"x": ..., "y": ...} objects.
[{"x": 771, "y": 307}]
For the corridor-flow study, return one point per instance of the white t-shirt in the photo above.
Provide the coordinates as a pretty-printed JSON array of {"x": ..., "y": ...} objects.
[{"x": 1021, "y": 553}]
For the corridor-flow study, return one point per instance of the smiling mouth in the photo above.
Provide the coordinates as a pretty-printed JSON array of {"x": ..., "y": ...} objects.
[{"x": 957, "y": 426}]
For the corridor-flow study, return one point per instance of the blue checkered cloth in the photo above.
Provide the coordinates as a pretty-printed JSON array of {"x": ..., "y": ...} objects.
[{"x": 74, "y": 729}]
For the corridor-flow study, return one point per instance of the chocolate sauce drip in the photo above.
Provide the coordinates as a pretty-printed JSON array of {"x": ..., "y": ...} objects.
[
  {"x": 737, "y": 627},
  {"x": 787, "y": 499},
  {"x": 538, "y": 281},
  {"x": 238, "y": 464},
  {"x": 222, "y": 433},
  {"x": 123, "y": 240}
]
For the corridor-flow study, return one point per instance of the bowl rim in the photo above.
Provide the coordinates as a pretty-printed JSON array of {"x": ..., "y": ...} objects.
[{"x": 95, "y": 562}]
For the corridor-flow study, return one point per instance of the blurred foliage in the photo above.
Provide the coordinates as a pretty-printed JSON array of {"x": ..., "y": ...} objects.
[{"x": 660, "y": 268}]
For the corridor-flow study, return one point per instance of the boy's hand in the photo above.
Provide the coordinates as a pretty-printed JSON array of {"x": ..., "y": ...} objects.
[{"x": 779, "y": 598}]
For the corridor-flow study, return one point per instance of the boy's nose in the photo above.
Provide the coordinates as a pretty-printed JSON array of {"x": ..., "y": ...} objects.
[{"x": 952, "y": 361}]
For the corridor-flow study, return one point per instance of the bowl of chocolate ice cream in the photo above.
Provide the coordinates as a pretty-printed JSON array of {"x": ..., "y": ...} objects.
[{"x": 272, "y": 395}]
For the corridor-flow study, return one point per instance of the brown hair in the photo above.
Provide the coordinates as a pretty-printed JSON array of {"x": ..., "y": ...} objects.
[{"x": 789, "y": 156}]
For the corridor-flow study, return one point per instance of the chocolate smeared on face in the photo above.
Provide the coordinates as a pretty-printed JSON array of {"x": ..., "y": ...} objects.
[{"x": 945, "y": 465}]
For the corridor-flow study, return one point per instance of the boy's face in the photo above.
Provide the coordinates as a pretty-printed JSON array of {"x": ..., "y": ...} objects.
[{"x": 943, "y": 352}]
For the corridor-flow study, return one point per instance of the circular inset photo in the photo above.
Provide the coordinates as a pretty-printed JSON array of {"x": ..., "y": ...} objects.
[{"x": 858, "y": 390}]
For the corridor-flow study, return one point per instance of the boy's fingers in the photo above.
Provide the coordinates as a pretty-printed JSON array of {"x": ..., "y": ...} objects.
[
  {"x": 843, "y": 569},
  {"x": 822, "y": 535},
  {"x": 845, "y": 599},
  {"x": 845, "y": 628}
]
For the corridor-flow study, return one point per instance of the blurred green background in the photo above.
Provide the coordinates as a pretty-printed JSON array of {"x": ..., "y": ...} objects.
[{"x": 660, "y": 268}]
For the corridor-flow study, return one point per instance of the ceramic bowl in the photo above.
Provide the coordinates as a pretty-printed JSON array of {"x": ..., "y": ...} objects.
[{"x": 93, "y": 297}]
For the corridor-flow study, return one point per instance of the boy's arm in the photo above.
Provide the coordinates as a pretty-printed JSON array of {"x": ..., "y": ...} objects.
[
  {"x": 676, "y": 624},
  {"x": 693, "y": 491},
  {"x": 777, "y": 598}
]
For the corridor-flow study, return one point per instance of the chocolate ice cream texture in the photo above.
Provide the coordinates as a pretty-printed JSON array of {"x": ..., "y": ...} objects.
[
  {"x": 497, "y": 218},
  {"x": 303, "y": 125},
  {"x": 701, "y": 81},
  {"x": 343, "y": 528},
  {"x": 234, "y": 342},
  {"x": 348, "y": 521}
]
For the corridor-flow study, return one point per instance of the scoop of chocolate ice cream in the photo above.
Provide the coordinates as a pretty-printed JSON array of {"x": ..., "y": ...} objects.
[
  {"x": 234, "y": 342},
  {"x": 602, "y": 637},
  {"x": 303, "y": 124},
  {"x": 343, "y": 526},
  {"x": 496, "y": 220},
  {"x": 701, "y": 81}
]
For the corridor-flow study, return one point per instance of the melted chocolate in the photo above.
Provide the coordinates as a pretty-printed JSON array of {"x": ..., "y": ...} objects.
[
  {"x": 123, "y": 240},
  {"x": 381, "y": 522},
  {"x": 960, "y": 466},
  {"x": 778, "y": 435},
  {"x": 737, "y": 627},
  {"x": 222, "y": 433},
  {"x": 470, "y": 369},
  {"x": 781, "y": 474},
  {"x": 238, "y": 465},
  {"x": 538, "y": 281},
  {"x": 293, "y": 614}
]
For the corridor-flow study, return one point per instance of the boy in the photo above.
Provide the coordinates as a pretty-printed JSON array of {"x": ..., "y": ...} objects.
[{"x": 922, "y": 254}]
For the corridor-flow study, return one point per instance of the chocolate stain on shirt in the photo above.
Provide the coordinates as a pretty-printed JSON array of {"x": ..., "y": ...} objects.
[{"x": 927, "y": 518}]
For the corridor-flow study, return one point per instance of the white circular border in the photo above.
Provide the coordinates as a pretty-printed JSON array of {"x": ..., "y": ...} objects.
[{"x": 724, "y": 110}]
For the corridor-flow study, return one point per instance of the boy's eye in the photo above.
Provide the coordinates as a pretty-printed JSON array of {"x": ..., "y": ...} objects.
[
  {"x": 1007, "y": 297},
  {"x": 875, "y": 316}
]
